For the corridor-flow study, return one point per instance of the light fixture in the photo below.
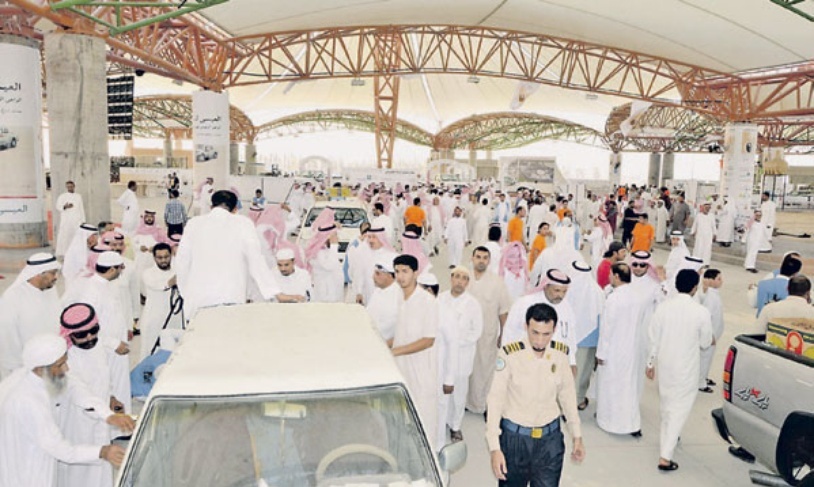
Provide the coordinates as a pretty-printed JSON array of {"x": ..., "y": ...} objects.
[
  {"x": 473, "y": 79},
  {"x": 357, "y": 82}
]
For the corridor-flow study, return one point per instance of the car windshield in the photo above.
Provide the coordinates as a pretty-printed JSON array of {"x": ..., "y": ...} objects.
[
  {"x": 362, "y": 437},
  {"x": 347, "y": 217}
]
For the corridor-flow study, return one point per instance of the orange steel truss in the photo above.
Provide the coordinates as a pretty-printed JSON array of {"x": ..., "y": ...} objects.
[
  {"x": 155, "y": 116},
  {"x": 387, "y": 55},
  {"x": 661, "y": 129}
]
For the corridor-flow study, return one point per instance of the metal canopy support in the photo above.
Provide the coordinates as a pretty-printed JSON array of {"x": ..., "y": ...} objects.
[{"x": 386, "y": 53}]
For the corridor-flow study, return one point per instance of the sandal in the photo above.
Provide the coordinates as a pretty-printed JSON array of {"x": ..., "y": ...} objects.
[
  {"x": 669, "y": 467},
  {"x": 583, "y": 405},
  {"x": 707, "y": 389}
]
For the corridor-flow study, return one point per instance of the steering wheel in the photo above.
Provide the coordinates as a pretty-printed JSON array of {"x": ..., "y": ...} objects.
[{"x": 350, "y": 449}]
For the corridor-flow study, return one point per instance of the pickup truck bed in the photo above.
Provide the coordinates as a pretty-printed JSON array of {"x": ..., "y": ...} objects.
[{"x": 768, "y": 406}]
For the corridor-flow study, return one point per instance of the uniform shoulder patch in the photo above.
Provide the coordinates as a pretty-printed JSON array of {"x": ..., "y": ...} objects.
[
  {"x": 559, "y": 346},
  {"x": 513, "y": 347}
]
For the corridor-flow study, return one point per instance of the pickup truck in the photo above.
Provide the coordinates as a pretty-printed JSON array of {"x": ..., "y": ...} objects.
[{"x": 768, "y": 410}]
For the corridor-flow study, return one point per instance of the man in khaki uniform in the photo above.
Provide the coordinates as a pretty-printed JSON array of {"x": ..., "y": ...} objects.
[
  {"x": 490, "y": 291},
  {"x": 533, "y": 386}
]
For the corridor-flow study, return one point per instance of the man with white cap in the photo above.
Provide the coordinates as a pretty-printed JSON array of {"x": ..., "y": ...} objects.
[
  {"x": 456, "y": 237},
  {"x": 76, "y": 256},
  {"x": 461, "y": 312},
  {"x": 293, "y": 281},
  {"x": 100, "y": 291},
  {"x": 162, "y": 302},
  {"x": 677, "y": 253},
  {"x": 218, "y": 255},
  {"x": 31, "y": 443},
  {"x": 71, "y": 214},
  {"x": 89, "y": 362},
  {"x": 552, "y": 291},
  {"x": 383, "y": 306},
  {"x": 587, "y": 300},
  {"x": 130, "y": 208},
  {"x": 703, "y": 227},
  {"x": 30, "y": 306}
]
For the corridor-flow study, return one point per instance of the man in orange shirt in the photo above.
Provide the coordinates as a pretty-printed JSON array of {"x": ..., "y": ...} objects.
[
  {"x": 563, "y": 209},
  {"x": 415, "y": 215},
  {"x": 643, "y": 235},
  {"x": 515, "y": 230},
  {"x": 539, "y": 243}
]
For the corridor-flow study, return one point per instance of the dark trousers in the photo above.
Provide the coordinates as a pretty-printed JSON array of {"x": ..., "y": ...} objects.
[
  {"x": 175, "y": 229},
  {"x": 537, "y": 462}
]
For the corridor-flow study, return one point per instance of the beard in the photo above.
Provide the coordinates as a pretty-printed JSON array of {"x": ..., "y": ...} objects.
[
  {"x": 55, "y": 385},
  {"x": 163, "y": 266}
]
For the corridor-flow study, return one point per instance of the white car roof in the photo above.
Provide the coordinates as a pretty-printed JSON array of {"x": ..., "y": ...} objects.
[
  {"x": 271, "y": 348},
  {"x": 351, "y": 203}
]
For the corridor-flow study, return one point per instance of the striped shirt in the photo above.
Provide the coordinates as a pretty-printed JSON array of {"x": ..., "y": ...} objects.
[{"x": 175, "y": 213}]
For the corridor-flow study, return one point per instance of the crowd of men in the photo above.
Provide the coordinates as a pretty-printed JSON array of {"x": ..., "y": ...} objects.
[{"x": 527, "y": 324}]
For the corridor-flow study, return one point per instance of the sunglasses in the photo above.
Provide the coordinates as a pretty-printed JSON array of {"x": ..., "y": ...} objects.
[
  {"x": 639, "y": 264},
  {"x": 85, "y": 333}
]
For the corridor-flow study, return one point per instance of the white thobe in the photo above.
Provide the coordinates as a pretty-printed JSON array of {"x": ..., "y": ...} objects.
[
  {"x": 383, "y": 309},
  {"x": 69, "y": 220},
  {"x": 713, "y": 303},
  {"x": 456, "y": 236},
  {"x": 92, "y": 367},
  {"x": 565, "y": 331},
  {"x": 535, "y": 219},
  {"x": 30, "y": 440},
  {"x": 491, "y": 293},
  {"x": 618, "y": 379},
  {"x": 465, "y": 316},
  {"x": 599, "y": 245},
  {"x": 517, "y": 284},
  {"x": 437, "y": 225},
  {"x": 205, "y": 199},
  {"x": 298, "y": 283},
  {"x": 397, "y": 216},
  {"x": 418, "y": 318},
  {"x": 480, "y": 224},
  {"x": 361, "y": 263},
  {"x": 769, "y": 211},
  {"x": 726, "y": 224},
  {"x": 129, "y": 283},
  {"x": 328, "y": 276},
  {"x": 503, "y": 212},
  {"x": 674, "y": 262},
  {"x": 679, "y": 329},
  {"x": 76, "y": 257},
  {"x": 703, "y": 227},
  {"x": 757, "y": 239},
  {"x": 157, "y": 292},
  {"x": 25, "y": 311},
  {"x": 662, "y": 215},
  {"x": 143, "y": 258},
  {"x": 495, "y": 254},
  {"x": 105, "y": 298},
  {"x": 216, "y": 257},
  {"x": 130, "y": 213},
  {"x": 384, "y": 221}
]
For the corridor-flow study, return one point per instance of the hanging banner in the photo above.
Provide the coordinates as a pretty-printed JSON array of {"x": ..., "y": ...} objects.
[
  {"x": 738, "y": 172},
  {"x": 210, "y": 135},
  {"x": 22, "y": 182}
]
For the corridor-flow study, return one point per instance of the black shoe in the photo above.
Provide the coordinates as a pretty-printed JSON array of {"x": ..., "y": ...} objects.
[
  {"x": 583, "y": 405},
  {"x": 753, "y": 271},
  {"x": 136, "y": 332},
  {"x": 738, "y": 451},
  {"x": 636, "y": 434},
  {"x": 669, "y": 467},
  {"x": 711, "y": 383},
  {"x": 707, "y": 389}
]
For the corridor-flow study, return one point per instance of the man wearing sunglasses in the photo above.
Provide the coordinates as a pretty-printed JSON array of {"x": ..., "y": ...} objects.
[{"x": 90, "y": 365}]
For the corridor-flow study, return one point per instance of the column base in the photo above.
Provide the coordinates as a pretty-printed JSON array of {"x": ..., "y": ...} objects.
[{"x": 24, "y": 235}]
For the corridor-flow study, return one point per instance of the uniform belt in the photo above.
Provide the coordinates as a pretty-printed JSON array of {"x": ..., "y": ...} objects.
[{"x": 536, "y": 433}]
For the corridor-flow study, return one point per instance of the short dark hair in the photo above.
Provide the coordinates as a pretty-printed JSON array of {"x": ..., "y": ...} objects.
[
  {"x": 622, "y": 270},
  {"x": 174, "y": 193},
  {"x": 102, "y": 224},
  {"x": 224, "y": 197},
  {"x": 494, "y": 234},
  {"x": 416, "y": 201},
  {"x": 379, "y": 207},
  {"x": 541, "y": 313},
  {"x": 433, "y": 288},
  {"x": 799, "y": 285},
  {"x": 711, "y": 273},
  {"x": 258, "y": 190},
  {"x": 544, "y": 224},
  {"x": 161, "y": 246},
  {"x": 131, "y": 184},
  {"x": 481, "y": 248},
  {"x": 485, "y": 202},
  {"x": 642, "y": 215},
  {"x": 686, "y": 280},
  {"x": 102, "y": 269},
  {"x": 364, "y": 228},
  {"x": 790, "y": 266},
  {"x": 518, "y": 209},
  {"x": 408, "y": 260}
]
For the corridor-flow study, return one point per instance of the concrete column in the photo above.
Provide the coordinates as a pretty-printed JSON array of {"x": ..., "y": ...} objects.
[
  {"x": 473, "y": 158},
  {"x": 251, "y": 153},
  {"x": 654, "y": 168},
  {"x": 615, "y": 168},
  {"x": 668, "y": 162},
  {"x": 234, "y": 157},
  {"x": 738, "y": 172},
  {"x": 167, "y": 148},
  {"x": 22, "y": 183},
  {"x": 77, "y": 118},
  {"x": 210, "y": 136}
]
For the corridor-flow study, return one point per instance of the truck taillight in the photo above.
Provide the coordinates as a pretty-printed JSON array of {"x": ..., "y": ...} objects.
[{"x": 729, "y": 367}]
